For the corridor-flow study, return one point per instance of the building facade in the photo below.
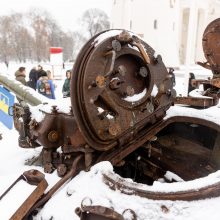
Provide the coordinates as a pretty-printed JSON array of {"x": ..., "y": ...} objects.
[{"x": 174, "y": 28}]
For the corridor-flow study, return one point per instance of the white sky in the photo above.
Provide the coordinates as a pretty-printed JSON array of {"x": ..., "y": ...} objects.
[{"x": 66, "y": 12}]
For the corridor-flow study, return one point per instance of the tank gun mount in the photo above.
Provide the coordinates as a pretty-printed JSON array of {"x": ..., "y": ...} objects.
[
  {"x": 120, "y": 93},
  {"x": 118, "y": 89}
]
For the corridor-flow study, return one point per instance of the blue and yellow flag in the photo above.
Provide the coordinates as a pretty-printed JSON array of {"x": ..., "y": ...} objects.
[
  {"x": 6, "y": 100},
  {"x": 4, "y": 103}
]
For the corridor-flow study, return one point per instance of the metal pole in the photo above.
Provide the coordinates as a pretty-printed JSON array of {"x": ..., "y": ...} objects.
[{"x": 25, "y": 93}]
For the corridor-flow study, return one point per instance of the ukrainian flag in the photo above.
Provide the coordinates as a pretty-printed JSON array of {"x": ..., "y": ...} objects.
[{"x": 4, "y": 103}]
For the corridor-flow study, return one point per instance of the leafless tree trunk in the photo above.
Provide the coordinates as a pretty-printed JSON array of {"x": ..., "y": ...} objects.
[{"x": 95, "y": 21}]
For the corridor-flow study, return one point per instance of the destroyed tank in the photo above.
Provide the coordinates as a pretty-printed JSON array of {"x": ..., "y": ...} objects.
[{"x": 121, "y": 92}]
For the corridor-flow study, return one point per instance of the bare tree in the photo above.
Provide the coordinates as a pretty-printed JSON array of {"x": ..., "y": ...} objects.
[
  {"x": 21, "y": 38},
  {"x": 79, "y": 40},
  {"x": 41, "y": 27},
  {"x": 6, "y": 52},
  {"x": 95, "y": 21},
  {"x": 29, "y": 36}
]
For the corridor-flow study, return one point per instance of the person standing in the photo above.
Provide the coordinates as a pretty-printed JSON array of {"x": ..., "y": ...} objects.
[
  {"x": 33, "y": 77},
  {"x": 191, "y": 77},
  {"x": 45, "y": 87},
  {"x": 66, "y": 85},
  {"x": 20, "y": 75},
  {"x": 40, "y": 71}
]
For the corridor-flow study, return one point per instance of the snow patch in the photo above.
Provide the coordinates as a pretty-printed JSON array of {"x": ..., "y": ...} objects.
[
  {"x": 136, "y": 97},
  {"x": 105, "y": 35},
  {"x": 154, "y": 90},
  {"x": 198, "y": 93},
  {"x": 38, "y": 112}
]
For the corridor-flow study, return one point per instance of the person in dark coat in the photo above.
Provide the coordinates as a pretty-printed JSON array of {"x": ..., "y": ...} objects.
[
  {"x": 40, "y": 71},
  {"x": 20, "y": 75},
  {"x": 66, "y": 85},
  {"x": 190, "y": 87},
  {"x": 33, "y": 77},
  {"x": 173, "y": 79}
]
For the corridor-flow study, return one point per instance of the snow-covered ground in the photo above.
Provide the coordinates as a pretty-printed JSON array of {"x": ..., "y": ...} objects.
[{"x": 90, "y": 184}]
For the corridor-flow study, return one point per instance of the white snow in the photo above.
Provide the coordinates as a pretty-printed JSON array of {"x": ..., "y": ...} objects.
[
  {"x": 136, "y": 97},
  {"x": 38, "y": 112},
  {"x": 211, "y": 114},
  {"x": 154, "y": 90},
  {"x": 105, "y": 35},
  {"x": 172, "y": 176}
]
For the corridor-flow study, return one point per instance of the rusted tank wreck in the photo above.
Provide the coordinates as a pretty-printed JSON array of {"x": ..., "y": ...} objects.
[{"x": 120, "y": 93}]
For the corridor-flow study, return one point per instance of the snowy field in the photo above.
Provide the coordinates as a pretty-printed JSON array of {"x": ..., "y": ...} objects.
[{"x": 89, "y": 184}]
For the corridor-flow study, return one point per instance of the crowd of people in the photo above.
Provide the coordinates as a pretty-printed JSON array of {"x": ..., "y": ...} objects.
[{"x": 42, "y": 81}]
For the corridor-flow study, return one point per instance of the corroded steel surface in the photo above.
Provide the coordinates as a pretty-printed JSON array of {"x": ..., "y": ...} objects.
[
  {"x": 197, "y": 102},
  {"x": 120, "y": 92},
  {"x": 97, "y": 213},
  {"x": 104, "y": 81}
]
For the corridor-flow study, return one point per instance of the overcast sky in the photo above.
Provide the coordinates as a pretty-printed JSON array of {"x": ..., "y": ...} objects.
[{"x": 66, "y": 12}]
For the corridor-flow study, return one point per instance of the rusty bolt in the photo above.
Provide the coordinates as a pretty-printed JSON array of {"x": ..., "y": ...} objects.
[
  {"x": 100, "y": 81},
  {"x": 124, "y": 36},
  {"x": 121, "y": 70},
  {"x": 54, "y": 109},
  {"x": 116, "y": 45},
  {"x": 115, "y": 83},
  {"x": 53, "y": 136},
  {"x": 143, "y": 72},
  {"x": 48, "y": 168},
  {"x": 114, "y": 129},
  {"x": 130, "y": 91},
  {"x": 61, "y": 170}
]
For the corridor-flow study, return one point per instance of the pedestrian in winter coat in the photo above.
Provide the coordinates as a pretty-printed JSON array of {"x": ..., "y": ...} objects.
[
  {"x": 20, "y": 75},
  {"x": 45, "y": 87},
  {"x": 66, "y": 85},
  {"x": 33, "y": 77},
  {"x": 40, "y": 71},
  {"x": 190, "y": 86}
]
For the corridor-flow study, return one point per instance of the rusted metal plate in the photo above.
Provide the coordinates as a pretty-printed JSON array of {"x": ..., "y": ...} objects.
[
  {"x": 197, "y": 102},
  {"x": 212, "y": 82},
  {"x": 105, "y": 81},
  {"x": 33, "y": 177},
  {"x": 30, "y": 201},
  {"x": 97, "y": 213}
]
